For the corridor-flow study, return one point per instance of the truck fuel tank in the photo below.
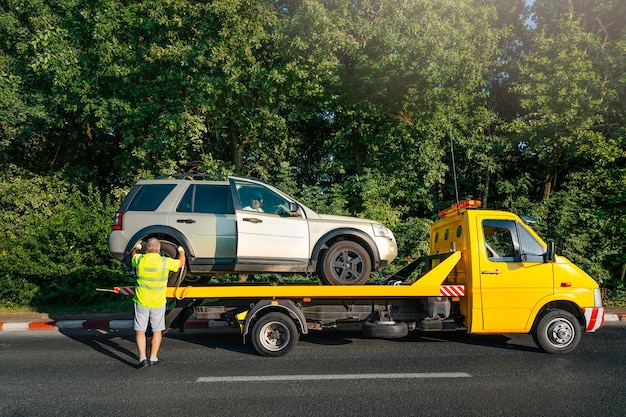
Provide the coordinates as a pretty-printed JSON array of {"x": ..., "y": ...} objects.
[{"x": 438, "y": 307}]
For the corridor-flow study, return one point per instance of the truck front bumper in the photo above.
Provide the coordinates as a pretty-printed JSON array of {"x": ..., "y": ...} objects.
[{"x": 594, "y": 318}]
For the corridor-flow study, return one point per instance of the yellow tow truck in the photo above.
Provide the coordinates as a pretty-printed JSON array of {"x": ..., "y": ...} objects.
[{"x": 487, "y": 272}]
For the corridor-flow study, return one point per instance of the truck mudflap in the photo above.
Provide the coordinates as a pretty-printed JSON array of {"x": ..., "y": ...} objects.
[{"x": 594, "y": 318}]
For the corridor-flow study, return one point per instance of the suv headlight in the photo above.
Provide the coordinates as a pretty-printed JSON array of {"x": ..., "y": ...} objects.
[{"x": 382, "y": 231}]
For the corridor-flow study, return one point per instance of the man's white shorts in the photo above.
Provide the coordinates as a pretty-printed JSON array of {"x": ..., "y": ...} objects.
[{"x": 155, "y": 316}]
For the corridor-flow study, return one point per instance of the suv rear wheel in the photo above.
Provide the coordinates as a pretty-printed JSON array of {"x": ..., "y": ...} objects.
[
  {"x": 170, "y": 249},
  {"x": 346, "y": 263}
]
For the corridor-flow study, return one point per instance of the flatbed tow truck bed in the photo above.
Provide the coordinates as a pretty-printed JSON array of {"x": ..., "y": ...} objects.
[{"x": 273, "y": 316}]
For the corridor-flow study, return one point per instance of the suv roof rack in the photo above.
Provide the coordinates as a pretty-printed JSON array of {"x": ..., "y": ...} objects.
[{"x": 182, "y": 176}]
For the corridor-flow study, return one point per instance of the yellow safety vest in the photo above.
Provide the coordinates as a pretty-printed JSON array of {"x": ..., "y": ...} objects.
[{"x": 152, "y": 273}]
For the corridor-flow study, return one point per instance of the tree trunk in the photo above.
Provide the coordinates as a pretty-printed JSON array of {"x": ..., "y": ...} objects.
[
  {"x": 486, "y": 191},
  {"x": 547, "y": 185},
  {"x": 236, "y": 150}
]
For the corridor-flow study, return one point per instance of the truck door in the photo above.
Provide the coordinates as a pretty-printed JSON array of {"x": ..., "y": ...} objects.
[
  {"x": 514, "y": 276},
  {"x": 269, "y": 235}
]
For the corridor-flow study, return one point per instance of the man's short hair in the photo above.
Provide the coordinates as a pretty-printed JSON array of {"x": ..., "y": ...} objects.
[{"x": 154, "y": 245}]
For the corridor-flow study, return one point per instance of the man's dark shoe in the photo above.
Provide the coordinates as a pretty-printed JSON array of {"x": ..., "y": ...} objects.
[
  {"x": 143, "y": 364},
  {"x": 155, "y": 363}
]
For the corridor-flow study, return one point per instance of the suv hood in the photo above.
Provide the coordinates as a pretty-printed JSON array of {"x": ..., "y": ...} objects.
[{"x": 345, "y": 219}]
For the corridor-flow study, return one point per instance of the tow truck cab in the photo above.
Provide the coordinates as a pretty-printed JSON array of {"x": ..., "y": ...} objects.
[{"x": 512, "y": 278}]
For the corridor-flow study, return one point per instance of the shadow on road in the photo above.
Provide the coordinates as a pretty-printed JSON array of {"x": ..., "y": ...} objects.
[
  {"x": 111, "y": 343},
  {"x": 498, "y": 341},
  {"x": 232, "y": 340},
  {"x": 224, "y": 339},
  {"x": 106, "y": 342},
  {"x": 120, "y": 345},
  {"x": 515, "y": 342}
]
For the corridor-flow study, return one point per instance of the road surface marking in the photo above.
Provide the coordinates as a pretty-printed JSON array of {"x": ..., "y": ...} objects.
[{"x": 267, "y": 378}]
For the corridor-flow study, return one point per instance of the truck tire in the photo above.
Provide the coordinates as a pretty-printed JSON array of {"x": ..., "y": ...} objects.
[
  {"x": 346, "y": 263},
  {"x": 274, "y": 334},
  {"x": 557, "y": 331},
  {"x": 385, "y": 330}
]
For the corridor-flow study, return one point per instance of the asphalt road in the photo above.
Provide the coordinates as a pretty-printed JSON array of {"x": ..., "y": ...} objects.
[{"x": 91, "y": 373}]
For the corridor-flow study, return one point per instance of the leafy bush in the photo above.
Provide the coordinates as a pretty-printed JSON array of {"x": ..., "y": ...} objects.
[
  {"x": 78, "y": 288},
  {"x": 16, "y": 291},
  {"x": 53, "y": 233}
]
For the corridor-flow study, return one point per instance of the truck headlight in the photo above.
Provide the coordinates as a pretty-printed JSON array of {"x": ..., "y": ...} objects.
[
  {"x": 597, "y": 297},
  {"x": 382, "y": 231}
]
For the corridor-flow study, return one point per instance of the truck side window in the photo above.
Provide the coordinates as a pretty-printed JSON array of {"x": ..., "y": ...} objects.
[
  {"x": 532, "y": 251},
  {"x": 500, "y": 240}
]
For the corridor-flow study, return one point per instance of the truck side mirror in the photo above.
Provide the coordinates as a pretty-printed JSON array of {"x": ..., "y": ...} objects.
[{"x": 550, "y": 252}]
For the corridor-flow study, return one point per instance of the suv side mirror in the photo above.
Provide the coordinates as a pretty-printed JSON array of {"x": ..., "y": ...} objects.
[
  {"x": 294, "y": 210},
  {"x": 550, "y": 252}
]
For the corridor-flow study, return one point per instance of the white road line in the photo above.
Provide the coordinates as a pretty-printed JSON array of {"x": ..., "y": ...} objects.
[{"x": 267, "y": 378}]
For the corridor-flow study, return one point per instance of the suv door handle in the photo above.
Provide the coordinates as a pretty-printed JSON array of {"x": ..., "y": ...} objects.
[
  {"x": 188, "y": 221},
  {"x": 252, "y": 220},
  {"x": 492, "y": 272}
]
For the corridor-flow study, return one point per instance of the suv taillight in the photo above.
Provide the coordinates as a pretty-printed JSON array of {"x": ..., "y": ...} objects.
[{"x": 117, "y": 221}]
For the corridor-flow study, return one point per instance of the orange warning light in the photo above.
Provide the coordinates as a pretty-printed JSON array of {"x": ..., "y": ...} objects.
[{"x": 463, "y": 205}]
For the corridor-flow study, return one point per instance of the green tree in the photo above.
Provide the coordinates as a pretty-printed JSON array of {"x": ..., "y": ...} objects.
[
  {"x": 562, "y": 98},
  {"x": 411, "y": 74}
]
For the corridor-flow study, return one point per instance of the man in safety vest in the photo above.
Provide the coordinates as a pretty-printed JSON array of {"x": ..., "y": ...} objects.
[{"x": 152, "y": 273}]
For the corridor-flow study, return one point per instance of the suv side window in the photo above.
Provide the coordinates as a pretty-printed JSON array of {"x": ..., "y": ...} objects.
[
  {"x": 148, "y": 197},
  {"x": 205, "y": 198},
  {"x": 257, "y": 198}
]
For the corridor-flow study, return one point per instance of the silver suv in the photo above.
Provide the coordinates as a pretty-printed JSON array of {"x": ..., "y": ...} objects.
[{"x": 246, "y": 226}]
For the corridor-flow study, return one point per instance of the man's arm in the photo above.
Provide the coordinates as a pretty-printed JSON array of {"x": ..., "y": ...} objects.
[
  {"x": 181, "y": 256},
  {"x": 135, "y": 250},
  {"x": 132, "y": 254}
]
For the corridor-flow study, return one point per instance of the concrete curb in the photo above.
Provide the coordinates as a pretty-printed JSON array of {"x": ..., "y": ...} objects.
[
  {"x": 88, "y": 324},
  {"x": 128, "y": 324}
]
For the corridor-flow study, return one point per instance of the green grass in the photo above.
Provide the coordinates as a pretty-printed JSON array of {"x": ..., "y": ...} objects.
[{"x": 124, "y": 304}]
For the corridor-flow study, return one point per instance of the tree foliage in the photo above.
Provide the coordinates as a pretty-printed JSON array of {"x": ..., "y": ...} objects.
[{"x": 351, "y": 106}]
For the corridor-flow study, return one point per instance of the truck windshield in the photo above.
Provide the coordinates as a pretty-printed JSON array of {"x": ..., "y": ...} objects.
[{"x": 532, "y": 251}]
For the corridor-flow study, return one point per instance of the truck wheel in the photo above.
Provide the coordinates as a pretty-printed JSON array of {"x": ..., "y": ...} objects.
[
  {"x": 557, "y": 332},
  {"x": 346, "y": 263},
  {"x": 385, "y": 330},
  {"x": 274, "y": 334}
]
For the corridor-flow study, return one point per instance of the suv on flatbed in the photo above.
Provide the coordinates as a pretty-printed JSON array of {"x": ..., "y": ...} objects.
[{"x": 244, "y": 226}]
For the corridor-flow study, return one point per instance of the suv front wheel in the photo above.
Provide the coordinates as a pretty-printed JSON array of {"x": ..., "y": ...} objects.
[{"x": 346, "y": 263}]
